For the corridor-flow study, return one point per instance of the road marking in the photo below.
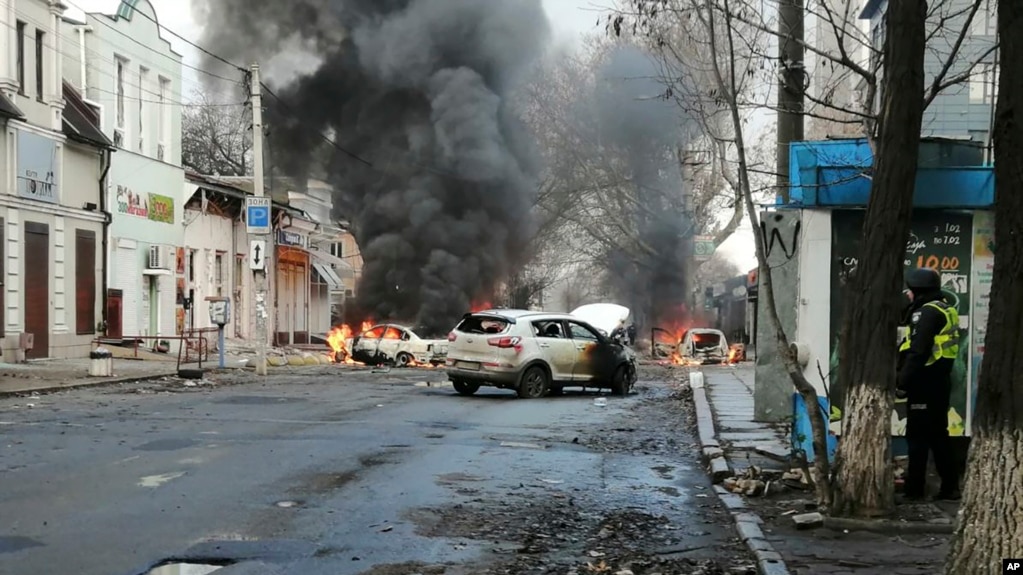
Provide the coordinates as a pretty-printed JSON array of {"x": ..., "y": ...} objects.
[{"x": 154, "y": 481}]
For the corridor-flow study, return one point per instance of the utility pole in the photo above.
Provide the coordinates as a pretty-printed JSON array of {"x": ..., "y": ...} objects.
[
  {"x": 257, "y": 190},
  {"x": 791, "y": 84}
]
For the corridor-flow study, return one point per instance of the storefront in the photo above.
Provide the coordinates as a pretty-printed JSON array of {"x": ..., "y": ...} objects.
[{"x": 291, "y": 292}]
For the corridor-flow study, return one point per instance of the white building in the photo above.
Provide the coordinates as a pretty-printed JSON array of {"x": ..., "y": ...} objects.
[
  {"x": 129, "y": 72},
  {"x": 52, "y": 211}
]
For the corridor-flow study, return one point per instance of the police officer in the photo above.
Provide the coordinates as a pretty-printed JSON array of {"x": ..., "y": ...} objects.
[{"x": 927, "y": 354}]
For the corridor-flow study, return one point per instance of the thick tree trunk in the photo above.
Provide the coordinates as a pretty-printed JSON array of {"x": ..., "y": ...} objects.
[
  {"x": 990, "y": 524},
  {"x": 864, "y": 483}
]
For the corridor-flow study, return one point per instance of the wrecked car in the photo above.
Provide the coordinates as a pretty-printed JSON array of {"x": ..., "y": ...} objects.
[
  {"x": 704, "y": 346},
  {"x": 398, "y": 345},
  {"x": 535, "y": 354}
]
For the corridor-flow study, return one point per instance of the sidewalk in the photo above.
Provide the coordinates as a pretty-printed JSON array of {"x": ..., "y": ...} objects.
[
  {"x": 56, "y": 374},
  {"x": 914, "y": 542}
]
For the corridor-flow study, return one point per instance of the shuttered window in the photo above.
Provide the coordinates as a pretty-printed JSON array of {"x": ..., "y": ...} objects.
[{"x": 85, "y": 282}]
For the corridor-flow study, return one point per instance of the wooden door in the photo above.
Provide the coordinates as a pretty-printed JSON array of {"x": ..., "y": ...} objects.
[
  {"x": 37, "y": 287},
  {"x": 115, "y": 303}
]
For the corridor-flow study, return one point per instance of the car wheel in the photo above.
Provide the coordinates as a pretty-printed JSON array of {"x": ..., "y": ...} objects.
[
  {"x": 403, "y": 359},
  {"x": 534, "y": 383},
  {"x": 621, "y": 384},
  {"x": 465, "y": 388}
]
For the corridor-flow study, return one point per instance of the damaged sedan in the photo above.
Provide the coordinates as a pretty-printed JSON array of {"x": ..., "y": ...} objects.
[{"x": 397, "y": 345}]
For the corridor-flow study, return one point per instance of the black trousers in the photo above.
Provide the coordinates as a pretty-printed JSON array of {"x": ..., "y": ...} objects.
[{"x": 927, "y": 433}]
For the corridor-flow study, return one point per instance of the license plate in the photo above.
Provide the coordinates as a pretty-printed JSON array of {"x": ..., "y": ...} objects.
[{"x": 470, "y": 365}]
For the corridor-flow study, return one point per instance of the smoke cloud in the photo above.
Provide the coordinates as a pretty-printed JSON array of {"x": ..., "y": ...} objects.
[
  {"x": 419, "y": 89},
  {"x": 645, "y": 130}
]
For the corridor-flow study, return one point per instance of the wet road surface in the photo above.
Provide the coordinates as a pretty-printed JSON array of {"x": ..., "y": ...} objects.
[{"x": 345, "y": 472}]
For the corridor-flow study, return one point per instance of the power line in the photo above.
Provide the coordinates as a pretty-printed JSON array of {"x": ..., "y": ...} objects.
[{"x": 154, "y": 50}]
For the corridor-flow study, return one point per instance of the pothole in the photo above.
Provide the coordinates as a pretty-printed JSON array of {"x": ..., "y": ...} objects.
[{"x": 182, "y": 568}]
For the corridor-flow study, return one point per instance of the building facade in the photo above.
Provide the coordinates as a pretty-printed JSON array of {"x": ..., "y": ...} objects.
[
  {"x": 53, "y": 165},
  {"x": 129, "y": 72},
  {"x": 964, "y": 110}
]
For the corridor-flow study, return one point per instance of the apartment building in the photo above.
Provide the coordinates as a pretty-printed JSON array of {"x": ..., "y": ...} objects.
[{"x": 53, "y": 169}]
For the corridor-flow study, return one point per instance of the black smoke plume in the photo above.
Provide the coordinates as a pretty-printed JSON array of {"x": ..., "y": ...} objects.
[
  {"x": 646, "y": 131},
  {"x": 416, "y": 89}
]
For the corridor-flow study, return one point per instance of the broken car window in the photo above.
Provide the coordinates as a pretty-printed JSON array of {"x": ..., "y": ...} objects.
[
  {"x": 549, "y": 328},
  {"x": 482, "y": 324}
]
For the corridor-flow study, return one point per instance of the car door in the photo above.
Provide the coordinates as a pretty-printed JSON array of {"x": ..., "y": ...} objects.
[
  {"x": 391, "y": 341},
  {"x": 591, "y": 352},
  {"x": 555, "y": 347}
]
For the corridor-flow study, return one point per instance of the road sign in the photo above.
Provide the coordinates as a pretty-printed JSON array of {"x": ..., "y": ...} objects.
[
  {"x": 703, "y": 247},
  {"x": 257, "y": 215},
  {"x": 257, "y": 255}
]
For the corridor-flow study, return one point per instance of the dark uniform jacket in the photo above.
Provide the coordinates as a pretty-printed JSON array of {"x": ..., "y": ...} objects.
[{"x": 925, "y": 385}]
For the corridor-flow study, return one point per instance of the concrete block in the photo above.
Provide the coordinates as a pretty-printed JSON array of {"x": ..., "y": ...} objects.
[
  {"x": 808, "y": 520},
  {"x": 759, "y": 545},
  {"x": 749, "y": 518},
  {"x": 773, "y": 567},
  {"x": 748, "y": 530},
  {"x": 719, "y": 469},
  {"x": 696, "y": 380},
  {"x": 770, "y": 556}
]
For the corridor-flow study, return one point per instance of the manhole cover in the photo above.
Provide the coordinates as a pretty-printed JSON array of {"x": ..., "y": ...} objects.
[{"x": 185, "y": 569}]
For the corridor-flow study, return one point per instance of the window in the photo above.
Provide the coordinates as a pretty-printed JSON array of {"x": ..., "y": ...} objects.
[
  {"x": 239, "y": 271},
  {"x": 85, "y": 282},
  {"x": 548, "y": 329},
  {"x": 984, "y": 84},
  {"x": 582, "y": 332},
  {"x": 337, "y": 249},
  {"x": 21, "y": 58},
  {"x": 143, "y": 80},
  {"x": 375, "y": 333},
  {"x": 163, "y": 119},
  {"x": 121, "y": 65},
  {"x": 985, "y": 21},
  {"x": 40, "y": 77},
  {"x": 190, "y": 264},
  {"x": 218, "y": 271}
]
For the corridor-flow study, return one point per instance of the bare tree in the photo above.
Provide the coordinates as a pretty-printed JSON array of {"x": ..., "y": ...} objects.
[
  {"x": 216, "y": 137},
  {"x": 684, "y": 30},
  {"x": 990, "y": 525}
]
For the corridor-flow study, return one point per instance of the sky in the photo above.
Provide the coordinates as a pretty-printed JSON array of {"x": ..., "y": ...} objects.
[{"x": 570, "y": 21}]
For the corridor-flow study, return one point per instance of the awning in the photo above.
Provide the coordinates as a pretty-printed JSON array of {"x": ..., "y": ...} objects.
[
  {"x": 328, "y": 276},
  {"x": 344, "y": 268}
]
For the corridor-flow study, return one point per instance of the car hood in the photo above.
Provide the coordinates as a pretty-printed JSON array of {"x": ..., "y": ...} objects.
[{"x": 603, "y": 316}]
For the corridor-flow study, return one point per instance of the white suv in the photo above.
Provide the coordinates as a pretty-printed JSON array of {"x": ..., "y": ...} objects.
[{"x": 535, "y": 353}]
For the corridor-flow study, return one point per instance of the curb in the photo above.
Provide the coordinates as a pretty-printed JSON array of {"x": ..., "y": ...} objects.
[
  {"x": 747, "y": 523},
  {"x": 86, "y": 383}
]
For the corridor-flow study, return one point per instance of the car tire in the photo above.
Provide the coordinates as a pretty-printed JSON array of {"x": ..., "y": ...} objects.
[
  {"x": 403, "y": 359},
  {"x": 534, "y": 383},
  {"x": 620, "y": 384},
  {"x": 465, "y": 388}
]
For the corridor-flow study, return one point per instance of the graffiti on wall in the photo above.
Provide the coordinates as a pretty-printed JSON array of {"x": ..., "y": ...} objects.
[{"x": 942, "y": 240}]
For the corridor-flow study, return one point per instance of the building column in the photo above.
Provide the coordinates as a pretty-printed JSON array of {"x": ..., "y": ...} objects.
[{"x": 53, "y": 84}]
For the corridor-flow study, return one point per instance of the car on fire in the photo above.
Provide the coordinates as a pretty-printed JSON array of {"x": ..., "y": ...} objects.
[
  {"x": 398, "y": 345},
  {"x": 535, "y": 354},
  {"x": 704, "y": 346}
]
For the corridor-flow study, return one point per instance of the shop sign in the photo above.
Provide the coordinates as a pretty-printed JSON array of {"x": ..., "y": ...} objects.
[
  {"x": 37, "y": 168},
  {"x": 153, "y": 207},
  {"x": 285, "y": 238}
]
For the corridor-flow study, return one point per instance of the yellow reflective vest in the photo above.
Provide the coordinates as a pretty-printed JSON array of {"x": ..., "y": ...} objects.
[{"x": 946, "y": 343}]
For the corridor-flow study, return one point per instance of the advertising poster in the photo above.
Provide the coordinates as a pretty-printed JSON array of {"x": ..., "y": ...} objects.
[
  {"x": 983, "y": 265},
  {"x": 939, "y": 239}
]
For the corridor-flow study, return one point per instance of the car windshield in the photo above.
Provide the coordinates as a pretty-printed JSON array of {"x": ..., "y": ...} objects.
[
  {"x": 706, "y": 340},
  {"x": 483, "y": 324}
]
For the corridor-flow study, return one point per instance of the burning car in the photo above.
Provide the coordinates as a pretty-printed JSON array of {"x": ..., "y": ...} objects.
[
  {"x": 703, "y": 346},
  {"x": 398, "y": 345}
]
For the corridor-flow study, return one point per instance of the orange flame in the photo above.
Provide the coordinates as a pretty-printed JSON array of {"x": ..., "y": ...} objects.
[
  {"x": 480, "y": 306},
  {"x": 337, "y": 339}
]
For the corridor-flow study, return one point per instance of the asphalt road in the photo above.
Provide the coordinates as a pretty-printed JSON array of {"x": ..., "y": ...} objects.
[{"x": 329, "y": 470}]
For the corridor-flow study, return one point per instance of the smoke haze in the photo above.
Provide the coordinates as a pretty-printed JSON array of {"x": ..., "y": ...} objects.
[{"x": 419, "y": 89}]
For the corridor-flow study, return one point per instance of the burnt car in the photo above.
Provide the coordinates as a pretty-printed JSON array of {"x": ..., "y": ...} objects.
[{"x": 398, "y": 345}]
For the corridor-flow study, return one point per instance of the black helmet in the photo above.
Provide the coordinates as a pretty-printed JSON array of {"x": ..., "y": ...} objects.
[{"x": 924, "y": 279}]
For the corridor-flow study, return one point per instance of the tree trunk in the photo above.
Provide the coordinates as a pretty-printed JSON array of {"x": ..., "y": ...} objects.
[
  {"x": 990, "y": 526},
  {"x": 864, "y": 484}
]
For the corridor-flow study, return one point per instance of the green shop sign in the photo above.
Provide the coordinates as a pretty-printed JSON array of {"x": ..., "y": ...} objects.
[{"x": 161, "y": 208}]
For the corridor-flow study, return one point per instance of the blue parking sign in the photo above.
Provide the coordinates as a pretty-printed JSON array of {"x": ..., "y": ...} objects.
[{"x": 257, "y": 215}]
